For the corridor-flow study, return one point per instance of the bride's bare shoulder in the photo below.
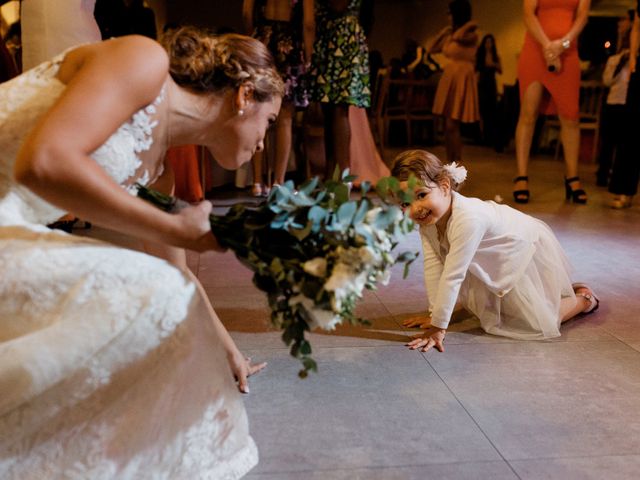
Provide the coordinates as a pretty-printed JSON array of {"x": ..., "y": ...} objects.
[{"x": 131, "y": 54}]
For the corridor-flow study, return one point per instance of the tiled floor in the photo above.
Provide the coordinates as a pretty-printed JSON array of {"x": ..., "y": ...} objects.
[{"x": 487, "y": 408}]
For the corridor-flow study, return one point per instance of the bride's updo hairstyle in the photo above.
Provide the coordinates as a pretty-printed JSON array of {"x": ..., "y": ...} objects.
[
  {"x": 203, "y": 62},
  {"x": 427, "y": 168}
]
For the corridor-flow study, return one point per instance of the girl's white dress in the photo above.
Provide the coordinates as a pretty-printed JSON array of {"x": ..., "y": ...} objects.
[
  {"x": 109, "y": 365},
  {"x": 505, "y": 267}
]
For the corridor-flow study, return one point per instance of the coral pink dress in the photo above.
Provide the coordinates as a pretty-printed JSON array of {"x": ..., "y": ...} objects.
[
  {"x": 556, "y": 18},
  {"x": 366, "y": 162},
  {"x": 186, "y": 171}
]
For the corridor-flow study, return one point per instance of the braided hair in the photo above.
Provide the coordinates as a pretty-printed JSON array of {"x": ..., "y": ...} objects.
[{"x": 204, "y": 62}]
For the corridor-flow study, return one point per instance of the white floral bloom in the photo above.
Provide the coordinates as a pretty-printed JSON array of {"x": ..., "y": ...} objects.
[
  {"x": 384, "y": 277},
  {"x": 384, "y": 244},
  {"x": 324, "y": 319},
  {"x": 371, "y": 215},
  {"x": 367, "y": 255},
  {"x": 303, "y": 300},
  {"x": 319, "y": 318},
  {"x": 316, "y": 267},
  {"x": 456, "y": 172},
  {"x": 340, "y": 277}
]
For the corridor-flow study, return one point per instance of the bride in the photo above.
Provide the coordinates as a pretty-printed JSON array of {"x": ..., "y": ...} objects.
[{"x": 112, "y": 362}]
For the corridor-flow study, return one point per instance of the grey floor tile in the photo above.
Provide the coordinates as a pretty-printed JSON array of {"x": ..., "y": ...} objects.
[
  {"x": 537, "y": 400},
  {"x": 554, "y": 409},
  {"x": 448, "y": 471},
  {"x": 366, "y": 407},
  {"x": 621, "y": 467}
]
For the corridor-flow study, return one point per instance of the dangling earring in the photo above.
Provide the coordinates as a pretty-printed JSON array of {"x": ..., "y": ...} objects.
[{"x": 240, "y": 112}]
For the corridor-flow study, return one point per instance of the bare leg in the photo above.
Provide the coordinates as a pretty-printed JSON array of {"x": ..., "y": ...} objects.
[
  {"x": 453, "y": 141},
  {"x": 337, "y": 137},
  {"x": 241, "y": 366},
  {"x": 524, "y": 130},
  {"x": 570, "y": 134},
  {"x": 283, "y": 141},
  {"x": 570, "y": 307}
]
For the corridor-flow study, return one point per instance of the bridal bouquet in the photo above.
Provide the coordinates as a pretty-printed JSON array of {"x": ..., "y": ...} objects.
[{"x": 313, "y": 250}]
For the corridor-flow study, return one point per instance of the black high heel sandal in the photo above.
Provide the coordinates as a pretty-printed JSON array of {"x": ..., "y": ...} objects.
[
  {"x": 521, "y": 196},
  {"x": 576, "y": 196}
]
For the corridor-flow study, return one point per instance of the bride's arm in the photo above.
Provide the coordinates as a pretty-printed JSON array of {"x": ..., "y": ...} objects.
[
  {"x": 241, "y": 366},
  {"x": 113, "y": 80}
]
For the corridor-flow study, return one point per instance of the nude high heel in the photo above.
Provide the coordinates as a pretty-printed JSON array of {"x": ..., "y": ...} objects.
[{"x": 621, "y": 201}]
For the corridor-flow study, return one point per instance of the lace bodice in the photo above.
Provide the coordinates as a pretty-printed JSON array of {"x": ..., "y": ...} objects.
[{"x": 23, "y": 101}]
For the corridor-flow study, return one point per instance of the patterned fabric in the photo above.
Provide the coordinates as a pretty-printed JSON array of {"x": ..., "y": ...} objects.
[
  {"x": 340, "y": 64},
  {"x": 284, "y": 41},
  {"x": 109, "y": 365}
]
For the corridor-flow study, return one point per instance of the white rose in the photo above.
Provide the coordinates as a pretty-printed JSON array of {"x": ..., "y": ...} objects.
[
  {"x": 316, "y": 267},
  {"x": 317, "y": 317},
  {"x": 324, "y": 319},
  {"x": 340, "y": 277},
  {"x": 306, "y": 302}
]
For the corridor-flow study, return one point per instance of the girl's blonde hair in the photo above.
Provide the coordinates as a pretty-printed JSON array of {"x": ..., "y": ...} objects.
[
  {"x": 426, "y": 167},
  {"x": 204, "y": 62}
]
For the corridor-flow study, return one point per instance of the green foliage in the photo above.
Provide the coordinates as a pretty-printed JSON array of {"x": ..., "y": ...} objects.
[{"x": 314, "y": 223}]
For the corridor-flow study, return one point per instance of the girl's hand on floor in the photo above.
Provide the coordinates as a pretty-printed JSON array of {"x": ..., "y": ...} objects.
[
  {"x": 422, "y": 321},
  {"x": 434, "y": 337}
]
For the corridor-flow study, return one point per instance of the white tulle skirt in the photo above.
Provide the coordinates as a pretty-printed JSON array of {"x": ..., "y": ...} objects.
[
  {"x": 110, "y": 367},
  {"x": 531, "y": 310}
]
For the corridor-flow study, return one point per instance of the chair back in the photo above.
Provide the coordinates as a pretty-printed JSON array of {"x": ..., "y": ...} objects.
[{"x": 592, "y": 98}]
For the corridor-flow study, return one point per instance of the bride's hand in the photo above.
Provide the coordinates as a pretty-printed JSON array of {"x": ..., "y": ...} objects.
[
  {"x": 242, "y": 368},
  {"x": 195, "y": 228}
]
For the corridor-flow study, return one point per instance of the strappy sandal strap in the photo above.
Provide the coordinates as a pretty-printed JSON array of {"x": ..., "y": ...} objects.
[{"x": 594, "y": 301}]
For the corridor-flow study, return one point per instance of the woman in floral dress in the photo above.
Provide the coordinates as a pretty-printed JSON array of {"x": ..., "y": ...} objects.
[{"x": 340, "y": 72}]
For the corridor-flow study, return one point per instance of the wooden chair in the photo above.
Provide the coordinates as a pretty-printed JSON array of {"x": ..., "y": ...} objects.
[
  {"x": 592, "y": 97},
  {"x": 403, "y": 100}
]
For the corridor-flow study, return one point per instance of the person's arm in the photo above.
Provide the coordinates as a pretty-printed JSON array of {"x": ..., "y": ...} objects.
[
  {"x": 635, "y": 44},
  {"x": 558, "y": 46},
  {"x": 466, "y": 35},
  {"x": 464, "y": 234},
  {"x": 436, "y": 44},
  {"x": 247, "y": 16},
  {"x": 417, "y": 61},
  {"x": 114, "y": 80},
  {"x": 609, "y": 69},
  {"x": 532, "y": 23},
  {"x": 432, "y": 266},
  {"x": 497, "y": 64},
  {"x": 308, "y": 28}
]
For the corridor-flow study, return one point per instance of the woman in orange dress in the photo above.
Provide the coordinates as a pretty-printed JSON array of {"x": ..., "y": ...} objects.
[
  {"x": 457, "y": 95},
  {"x": 549, "y": 78}
]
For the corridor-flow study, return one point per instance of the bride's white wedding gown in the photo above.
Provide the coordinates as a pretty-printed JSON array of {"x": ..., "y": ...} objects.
[{"x": 109, "y": 365}]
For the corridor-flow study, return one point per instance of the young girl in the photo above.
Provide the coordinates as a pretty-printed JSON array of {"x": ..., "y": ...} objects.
[{"x": 505, "y": 267}]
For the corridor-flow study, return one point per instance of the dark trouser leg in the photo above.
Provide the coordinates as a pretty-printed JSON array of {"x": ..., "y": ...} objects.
[{"x": 626, "y": 166}]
